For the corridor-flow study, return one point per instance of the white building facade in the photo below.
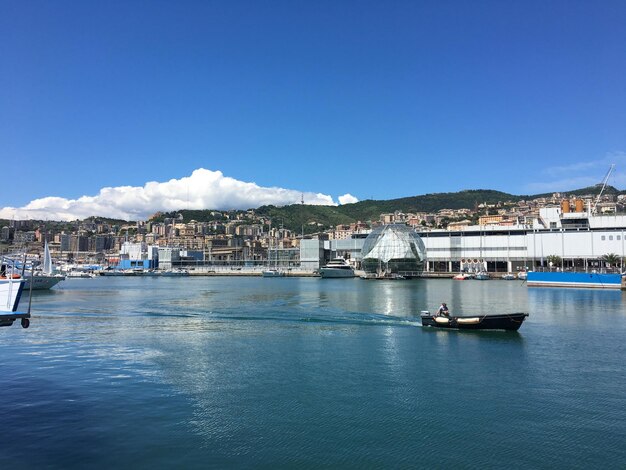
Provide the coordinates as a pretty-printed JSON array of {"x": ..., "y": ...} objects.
[{"x": 578, "y": 239}]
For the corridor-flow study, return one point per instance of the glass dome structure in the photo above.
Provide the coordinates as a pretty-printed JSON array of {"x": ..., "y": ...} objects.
[{"x": 393, "y": 250}]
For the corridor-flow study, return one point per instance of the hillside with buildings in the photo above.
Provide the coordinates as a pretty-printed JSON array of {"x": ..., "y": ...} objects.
[{"x": 247, "y": 235}]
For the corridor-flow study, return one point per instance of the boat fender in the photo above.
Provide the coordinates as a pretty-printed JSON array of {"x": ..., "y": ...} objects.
[
  {"x": 468, "y": 321},
  {"x": 441, "y": 320}
]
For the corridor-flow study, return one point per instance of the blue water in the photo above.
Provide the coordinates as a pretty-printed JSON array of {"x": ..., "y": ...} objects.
[{"x": 309, "y": 373}]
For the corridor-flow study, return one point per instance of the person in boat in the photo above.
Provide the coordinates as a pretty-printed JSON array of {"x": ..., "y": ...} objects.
[{"x": 443, "y": 310}]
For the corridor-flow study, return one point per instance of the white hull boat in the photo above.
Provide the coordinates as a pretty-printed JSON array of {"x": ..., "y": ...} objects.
[
  {"x": 46, "y": 278},
  {"x": 273, "y": 273},
  {"x": 42, "y": 281},
  {"x": 337, "y": 268},
  {"x": 175, "y": 272},
  {"x": 80, "y": 275},
  {"x": 10, "y": 293}
]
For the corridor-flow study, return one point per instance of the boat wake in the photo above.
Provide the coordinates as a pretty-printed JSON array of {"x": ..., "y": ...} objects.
[
  {"x": 331, "y": 317},
  {"x": 283, "y": 314}
]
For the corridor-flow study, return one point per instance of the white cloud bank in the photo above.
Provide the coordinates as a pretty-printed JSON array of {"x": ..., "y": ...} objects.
[{"x": 204, "y": 189}]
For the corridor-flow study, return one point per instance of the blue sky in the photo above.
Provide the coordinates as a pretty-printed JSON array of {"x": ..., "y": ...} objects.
[{"x": 373, "y": 99}]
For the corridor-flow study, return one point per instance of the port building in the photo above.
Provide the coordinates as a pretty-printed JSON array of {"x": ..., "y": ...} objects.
[
  {"x": 393, "y": 249},
  {"x": 578, "y": 238}
]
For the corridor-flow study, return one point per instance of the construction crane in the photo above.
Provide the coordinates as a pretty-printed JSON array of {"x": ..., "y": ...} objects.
[{"x": 604, "y": 181}]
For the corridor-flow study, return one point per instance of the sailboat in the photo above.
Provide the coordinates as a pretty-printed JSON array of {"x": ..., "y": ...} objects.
[
  {"x": 272, "y": 272},
  {"x": 46, "y": 278}
]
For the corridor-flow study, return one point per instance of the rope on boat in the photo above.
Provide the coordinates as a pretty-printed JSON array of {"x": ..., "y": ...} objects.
[{"x": 513, "y": 320}]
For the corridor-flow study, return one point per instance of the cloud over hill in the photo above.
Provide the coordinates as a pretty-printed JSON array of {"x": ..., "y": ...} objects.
[{"x": 204, "y": 189}]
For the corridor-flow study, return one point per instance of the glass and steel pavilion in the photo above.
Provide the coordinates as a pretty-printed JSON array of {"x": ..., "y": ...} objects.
[{"x": 393, "y": 250}]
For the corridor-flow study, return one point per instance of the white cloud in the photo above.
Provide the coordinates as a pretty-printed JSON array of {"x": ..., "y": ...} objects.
[
  {"x": 582, "y": 174},
  {"x": 204, "y": 189},
  {"x": 347, "y": 199}
]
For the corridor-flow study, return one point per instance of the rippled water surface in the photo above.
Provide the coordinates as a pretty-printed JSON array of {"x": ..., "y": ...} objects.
[{"x": 309, "y": 373}]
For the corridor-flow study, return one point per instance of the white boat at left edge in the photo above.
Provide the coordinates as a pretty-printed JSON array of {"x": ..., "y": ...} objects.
[{"x": 11, "y": 289}]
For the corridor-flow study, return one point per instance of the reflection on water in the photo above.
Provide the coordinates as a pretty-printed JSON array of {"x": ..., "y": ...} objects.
[
  {"x": 585, "y": 304},
  {"x": 220, "y": 372}
]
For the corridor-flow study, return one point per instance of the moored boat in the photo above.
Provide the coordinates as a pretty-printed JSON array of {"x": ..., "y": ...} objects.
[
  {"x": 11, "y": 289},
  {"x": 42, "y": 281},
  {"x": 508, "y": 277},
  {"x": 47, "y": 277},
  {"x": 462, "y": 277},
  {"x": 497, "y": 321},
  {"x": 175, "y": 272},
  {"x": 40, "y": 276},
  {"x": 337, "y": 268},
  {"x": 591, "y": 280},
  {"x": 273, "y": 273},
  {"x": 79, "y": 274}
]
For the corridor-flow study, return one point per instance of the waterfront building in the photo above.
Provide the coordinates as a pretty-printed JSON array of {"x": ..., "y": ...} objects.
[
  {"x": 137, "y": 255},
  {"x": 578, "y": 239},
  {"x": 311, "y": 253},
  {"x": 168, "y": 257},
  {"x": 316, "y": 252},
  {"x": 393, "y": 249}
]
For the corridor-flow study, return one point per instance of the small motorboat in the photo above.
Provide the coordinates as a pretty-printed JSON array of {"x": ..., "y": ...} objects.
[
  {"x": 498, "y": 321},
  {"x": 462, "y": 277},
  {"x": 508, "y": 277}
]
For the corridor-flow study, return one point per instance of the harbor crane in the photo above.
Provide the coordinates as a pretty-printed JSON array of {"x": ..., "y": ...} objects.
[{"x": 604, "y": 181}]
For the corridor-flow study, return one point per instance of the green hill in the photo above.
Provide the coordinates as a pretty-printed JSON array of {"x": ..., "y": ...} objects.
[
  {"x": 467, "y": 199},
  {"x": 593, "y": 190},
  {"x": 298, "y": 217},
  {"x": 308, "y": 219}
]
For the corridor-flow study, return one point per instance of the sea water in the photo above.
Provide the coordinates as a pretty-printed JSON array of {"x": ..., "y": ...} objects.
[{"x": 217, "y": 372}]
